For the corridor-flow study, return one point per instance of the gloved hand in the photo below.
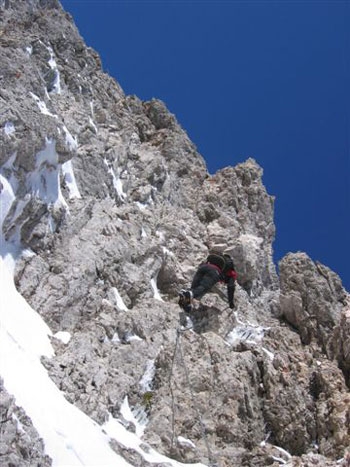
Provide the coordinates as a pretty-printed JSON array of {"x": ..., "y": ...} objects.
[{"x": 231, "y": 305}]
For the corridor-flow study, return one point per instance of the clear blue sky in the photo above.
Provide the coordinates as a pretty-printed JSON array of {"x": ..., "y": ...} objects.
[{"x": 266, "y": 79}]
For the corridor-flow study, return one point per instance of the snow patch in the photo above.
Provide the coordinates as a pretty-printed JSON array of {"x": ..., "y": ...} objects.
[
  {"x": 130, "y": 337},
  {"x": 279, "y": 459},
  {"x": 19, "y": 425},
  {"x": 160, "y": 235},
  {"x": 146, "y": 382},
  {"x": 118, "y": 186},
  {"x": 120, "y": 302},
  {"x": 137, "y": 416},
  {"x": 92, "y": 123},
  {"x": 71, "y": 142},
  {"x": 167, "y": 252},
  {"x": 44, "y": 182},
  {"x": 186, "y": 442},
  {"x": 70, "y": 437},
  {"x": 279, "y": 449},
  {"x": 9, "y": 129},
  {"x": 20, "y": 324},
  {"x": 245, "y": 334},
  {"x": 156, "y": 293},
  {"x": 115, "y": 339},
  {"x": 283, "y": 451},
  {"x": 115, "y": 430},
  {"x": 268, "y": 353},
  {"x": 69, "y": 178},
  {"x": 249, "y": 333},
  {"x": 63, "y": 336},
  {"x": 141, "y": 206},
  {"x": 42, "y": 106},
  {"x": 7, "y": 250},
  {"x": 7, "y": 197},
  {"x": 29, "y": 50},
  {"x": 56, "y": 84}
]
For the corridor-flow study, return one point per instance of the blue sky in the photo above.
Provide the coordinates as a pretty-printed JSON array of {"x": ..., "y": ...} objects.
[{"x": 266, "y": 79}]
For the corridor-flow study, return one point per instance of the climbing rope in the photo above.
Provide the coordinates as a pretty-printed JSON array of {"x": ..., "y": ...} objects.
[
  {"x": 172, "y": 392},
  {"x": 178, "y": 348}
]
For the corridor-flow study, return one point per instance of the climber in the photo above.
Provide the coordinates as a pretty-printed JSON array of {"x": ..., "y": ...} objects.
[{"x": 217, "y": 268}]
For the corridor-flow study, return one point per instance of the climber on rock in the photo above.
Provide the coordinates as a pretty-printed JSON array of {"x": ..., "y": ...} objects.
[{"x": 217, "y": 268}]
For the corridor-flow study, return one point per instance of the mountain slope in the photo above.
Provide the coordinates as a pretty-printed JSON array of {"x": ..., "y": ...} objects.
[{"x": 107, "y": 209}]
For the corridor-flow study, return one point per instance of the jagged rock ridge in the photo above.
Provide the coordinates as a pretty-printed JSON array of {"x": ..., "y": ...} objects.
[{"x": 117, "y": 209}]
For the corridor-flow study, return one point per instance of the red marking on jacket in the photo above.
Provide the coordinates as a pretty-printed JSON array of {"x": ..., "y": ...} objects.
[{"x": 230, "y": 273}]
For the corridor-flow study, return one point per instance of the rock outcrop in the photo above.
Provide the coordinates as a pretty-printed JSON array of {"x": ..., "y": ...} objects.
[
  {"x": 20, "y": 444},
  {"x": 114, "y": 209}
]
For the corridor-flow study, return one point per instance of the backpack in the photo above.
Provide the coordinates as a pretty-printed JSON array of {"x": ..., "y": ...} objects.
[{"x": 224, "y": 262}]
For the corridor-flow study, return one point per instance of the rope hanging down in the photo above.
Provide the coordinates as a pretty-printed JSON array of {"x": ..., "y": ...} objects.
[{"x": 178, "y": 347}]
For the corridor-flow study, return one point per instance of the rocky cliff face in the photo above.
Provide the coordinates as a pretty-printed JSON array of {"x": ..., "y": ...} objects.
[{"x": 114, "y": 209}]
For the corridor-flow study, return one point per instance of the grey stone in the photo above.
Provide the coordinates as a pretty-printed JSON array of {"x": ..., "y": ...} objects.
[{"x": 107, "y": 266}]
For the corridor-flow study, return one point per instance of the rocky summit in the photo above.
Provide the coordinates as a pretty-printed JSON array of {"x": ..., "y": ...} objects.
[{"x": 107, "y": 209}]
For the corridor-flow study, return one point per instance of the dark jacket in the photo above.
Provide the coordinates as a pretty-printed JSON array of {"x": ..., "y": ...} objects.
[{"x": 228, "y": 277}]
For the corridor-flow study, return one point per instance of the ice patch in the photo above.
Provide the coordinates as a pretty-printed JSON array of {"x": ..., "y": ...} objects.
[
  {"x": 143, "y": 233},
  {"x": 69, "y": 178}
]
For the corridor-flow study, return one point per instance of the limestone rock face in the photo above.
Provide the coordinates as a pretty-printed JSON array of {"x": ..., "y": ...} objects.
[
  {"x": 312, "y": 298},
  {"x": 108, "y": 210}
]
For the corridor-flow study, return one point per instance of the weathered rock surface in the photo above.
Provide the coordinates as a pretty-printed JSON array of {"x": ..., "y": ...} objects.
[
  {"x": 118, "y": 209},
  {"x": 20, "y": 444}
]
